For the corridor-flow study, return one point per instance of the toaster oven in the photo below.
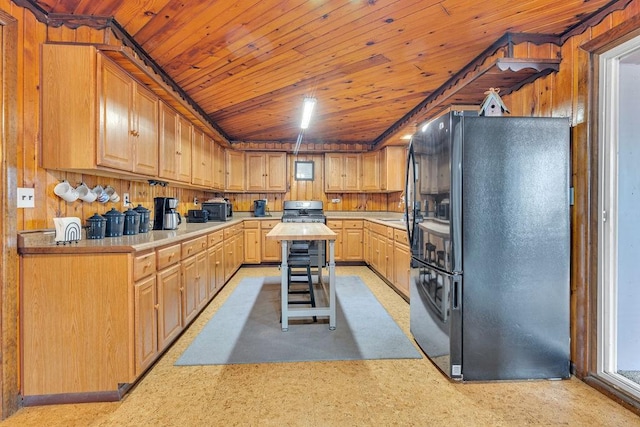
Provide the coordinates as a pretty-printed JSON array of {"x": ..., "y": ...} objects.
[{"x": 218, "y": 211}]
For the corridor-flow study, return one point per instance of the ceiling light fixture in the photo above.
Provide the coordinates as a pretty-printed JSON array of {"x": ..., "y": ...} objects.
[{"x": 309, "y": 103}]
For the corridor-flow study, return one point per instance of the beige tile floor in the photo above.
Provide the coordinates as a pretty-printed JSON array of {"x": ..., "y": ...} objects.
[{"x": 346, "y": 393}]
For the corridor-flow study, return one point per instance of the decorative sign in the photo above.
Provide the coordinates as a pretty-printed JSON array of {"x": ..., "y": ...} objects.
[{"x": 304, "y": 171}]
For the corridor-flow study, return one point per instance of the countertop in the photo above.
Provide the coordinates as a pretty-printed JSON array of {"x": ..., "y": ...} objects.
[{"x": 42, "y": 241}]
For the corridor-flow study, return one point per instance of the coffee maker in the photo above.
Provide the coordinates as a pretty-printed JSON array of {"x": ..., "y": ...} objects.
[
  {"x": 165, "y": 216},
  {"x": 259, "y": 207}
]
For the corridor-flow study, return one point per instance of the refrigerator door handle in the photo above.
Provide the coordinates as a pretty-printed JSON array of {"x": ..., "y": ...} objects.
[
  {"x": 409, "y": 191},
  {"x": 455, "y": 297}
]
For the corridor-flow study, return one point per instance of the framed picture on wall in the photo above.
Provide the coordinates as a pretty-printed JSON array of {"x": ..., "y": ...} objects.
[{"x": 304, "y": 170}]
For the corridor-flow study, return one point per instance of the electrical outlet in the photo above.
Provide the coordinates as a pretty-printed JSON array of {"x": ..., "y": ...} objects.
[
  {"x": 26, "y": 198},
  {"x": 335, "y": 200},
  {"x": 195, "y": 201},
  {"x": 125, "y": 199}
]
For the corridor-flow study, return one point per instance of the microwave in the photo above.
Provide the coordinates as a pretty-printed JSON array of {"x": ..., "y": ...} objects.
[{"x": 218, "y": 211}]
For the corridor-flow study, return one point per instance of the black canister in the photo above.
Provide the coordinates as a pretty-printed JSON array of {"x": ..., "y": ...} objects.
[
  {"x": 96, "y": 227},
  {"x": 145, "y": 216},
  {"x": 115, "y": 223},
  {"x": 131, "y": 222}
]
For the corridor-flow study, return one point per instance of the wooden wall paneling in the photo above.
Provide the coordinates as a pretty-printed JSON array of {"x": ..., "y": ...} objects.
[
  {"x": 563, "y": 87},
  {"x": 9, "y": 93},
  {"x": 20, "y": 109},
  {"x": 29, "y": 156},
  {"x": 580, "y": 220}
]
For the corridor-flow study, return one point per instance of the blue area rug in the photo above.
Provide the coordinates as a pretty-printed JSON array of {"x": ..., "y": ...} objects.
[{"x": 246, "y": 329}]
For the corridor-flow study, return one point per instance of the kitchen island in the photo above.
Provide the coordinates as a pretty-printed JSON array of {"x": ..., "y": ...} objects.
[{"x": 287, "y": 232}]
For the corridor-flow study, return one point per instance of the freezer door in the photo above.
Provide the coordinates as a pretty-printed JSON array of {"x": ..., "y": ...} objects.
[{"x": 435, "y": 316}]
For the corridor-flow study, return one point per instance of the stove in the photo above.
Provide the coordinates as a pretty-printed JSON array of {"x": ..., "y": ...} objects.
[
  {"x": 303, "y": 211},
  {"x": 307, "y": 211}
]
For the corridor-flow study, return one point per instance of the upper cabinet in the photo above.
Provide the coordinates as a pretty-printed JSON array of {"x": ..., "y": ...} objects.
[
  {"x": 342, "y": 172},
  {"x": 201, "y": 159},
  {"x": 383, "y": 170},
  {"x": 266, "y": 171},
  {"x": 98, "y": 119},
  {"x": 371, "y": 171},
  {"x": 234, "y": 170},
  {"x": 94, "y": 115},
  {"x": 168, "y": 142},
  {"x": 392, "y": 168},
  {"x": 219, "y": 166},
  {"x": 175, "y": 145}
]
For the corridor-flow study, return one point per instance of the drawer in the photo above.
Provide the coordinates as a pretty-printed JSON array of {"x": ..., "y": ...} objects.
[
  {"x": 352, "y": 223},
  {"x": 215, "y": 238},
  {"x": 193, "y": 246},
  {"x": 334, "y": 223},
  {"x": 269, "y": 224},
  {"x": 390, "y": 233},
  {"x": 229, "y": 232},
  {"x": 168, "y": 255},
  {"x": 253, "y": 223},
  {"x": 381, "y": 229},
  {"x": 401, "y": 236},
  {"x": 144, "y": 265}
]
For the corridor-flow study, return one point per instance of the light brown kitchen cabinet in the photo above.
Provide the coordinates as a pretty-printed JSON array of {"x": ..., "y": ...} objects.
[
  {"x": 342, "y": 172},
  {"x": 233, "y": 249},
  {"x": 336, "y": 226},
  {"x": 168, "y": 142},
  {"x": 401, "y": 262},
  {"x": 95, "y": 116},
  {"x": 378, "y": 248},
  {"x": 202, "y": 169},
  {"x": 266, "y": 172},
  {"x": 77, "y": 333},
  {"x": 352, "y": 235},
  {"x": 219, "y": 166},
  {"x": 174, "y": 145},
  {"x": 252, "y": 242},
  {"x": 194, "y": 277},
  {"x": 215, "y": 255},
  {"x": 366, "y": 242},
  {"x": 392, "y": 168},
  {"x": 170, "y": 324},
  {"x": 185, "y": 133},
  {"x": 146, "y": 323},
  {"x": 271, "y": 249},
  {"x": 234, "y": 170},
  {"x": 389, "y": 255},
  {"x": 371, "y": 171}
]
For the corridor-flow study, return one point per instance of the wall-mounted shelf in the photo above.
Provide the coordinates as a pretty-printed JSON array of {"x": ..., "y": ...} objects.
[{"x": 496, "y": 67}]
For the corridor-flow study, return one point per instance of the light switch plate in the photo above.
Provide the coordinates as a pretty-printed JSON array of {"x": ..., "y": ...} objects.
[{"x": 26, "y": 198}]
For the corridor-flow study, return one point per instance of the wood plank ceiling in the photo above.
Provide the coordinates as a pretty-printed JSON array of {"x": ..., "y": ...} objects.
[{"x": 248, "y": 64}]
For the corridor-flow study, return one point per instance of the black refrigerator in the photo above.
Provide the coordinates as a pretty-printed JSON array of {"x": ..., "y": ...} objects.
[{"x": 488, "y": 220}]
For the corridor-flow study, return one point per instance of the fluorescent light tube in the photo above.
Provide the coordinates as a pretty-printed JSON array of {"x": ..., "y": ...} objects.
[{"x": 309, "y": 103}]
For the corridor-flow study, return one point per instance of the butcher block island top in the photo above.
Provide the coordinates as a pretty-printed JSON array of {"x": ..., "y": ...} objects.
[{"x": 301, "y": 231}]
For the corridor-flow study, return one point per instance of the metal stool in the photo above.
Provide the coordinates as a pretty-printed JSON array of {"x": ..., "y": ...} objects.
[
  {"x": 431, "y": 251},
  {"x": 300, "y": 265}
]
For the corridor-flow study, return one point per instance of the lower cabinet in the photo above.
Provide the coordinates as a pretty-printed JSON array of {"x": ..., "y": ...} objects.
[
  {"x": 215, "y": 261},
  {"x": 146, "y": 323},
  {"x": 336, "y": 226},
  {"x": 271, "y": 250},
  {"x": 169, "y": 305},
  {"x": 401, "y": 262},
  {"x": 352, "y": 239},
  {"x": 252, "y": 242},
  {"x": 388, "y": 254}
]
